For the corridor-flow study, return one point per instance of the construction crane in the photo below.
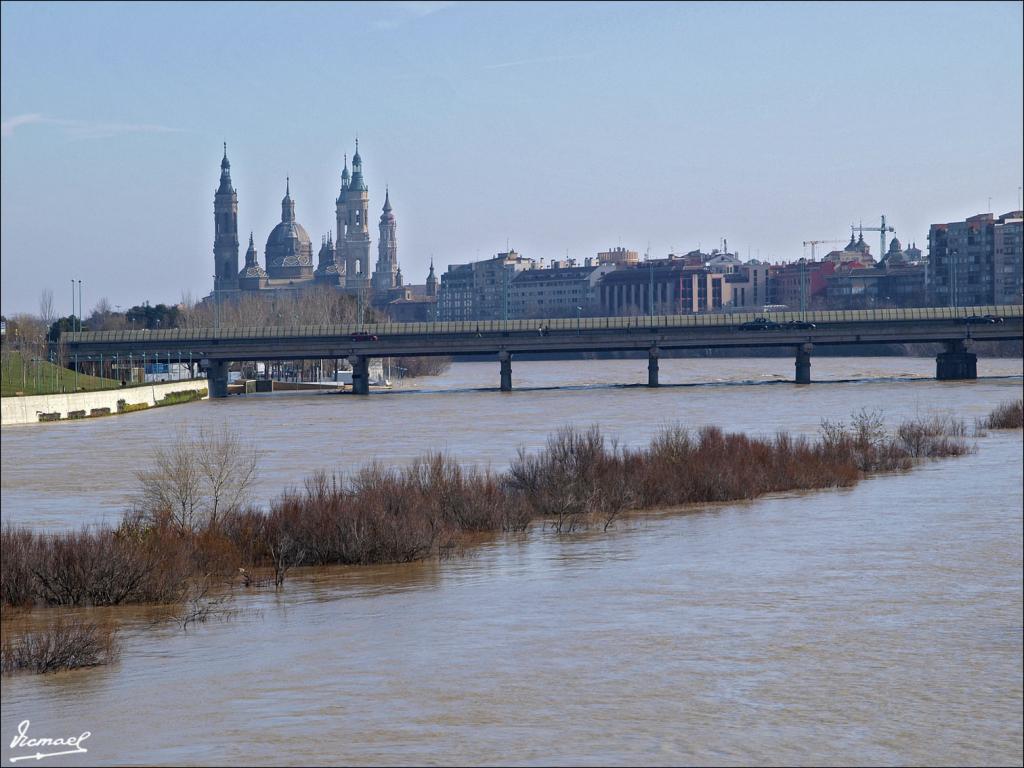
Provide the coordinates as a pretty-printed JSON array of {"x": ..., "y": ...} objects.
[
  {"x": 881, "y": 230},
  {"x": 813, "y": 243}
]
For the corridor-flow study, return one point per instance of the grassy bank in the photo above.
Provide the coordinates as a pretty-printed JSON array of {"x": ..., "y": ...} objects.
[{"x": 24, "y": 375}]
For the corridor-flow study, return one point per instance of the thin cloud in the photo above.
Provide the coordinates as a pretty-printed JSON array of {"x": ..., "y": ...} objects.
[
  {"x": 7, "y": 126},
  {"x": 81, "y": 129},
  {"x": 538, "y": 60},
  {"x": 409, "y": 10}
]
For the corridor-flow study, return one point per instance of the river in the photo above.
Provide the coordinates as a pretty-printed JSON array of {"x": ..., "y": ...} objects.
[{"x": 878, "y": 624}]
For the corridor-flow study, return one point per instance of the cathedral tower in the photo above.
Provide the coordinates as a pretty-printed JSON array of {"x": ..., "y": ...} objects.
[
  {"x": 357, "y": 229},
  {"x": 341, "y": 218},
  {"x": 431, "y": 280},
  {"x": 225, "y": 224},
  {"x": 385, "y": 276}
]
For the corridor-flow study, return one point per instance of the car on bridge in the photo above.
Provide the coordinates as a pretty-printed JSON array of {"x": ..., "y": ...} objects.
[
  {"x": 760, "y": 324},
  {"x": 364, "y": 337},
  {"x": 984, "y": 319},
  {"x": 799, "y": 325}
]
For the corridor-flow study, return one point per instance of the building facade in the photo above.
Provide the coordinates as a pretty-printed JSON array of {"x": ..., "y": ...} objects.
[
  {"x": 962, "y": 262},
  {"x": 480, "y": 290},
  {"x": 1007, "y": 261},
  {"x": 560, "y": 290}
]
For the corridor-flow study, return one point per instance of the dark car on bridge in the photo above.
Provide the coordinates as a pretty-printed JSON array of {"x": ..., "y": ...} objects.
[
  {"x": 984, "y": 319},
  {"x": 760, "y": 324},
  {"x": 363, "y": 337},
  {"x": 800, "y": 325}
]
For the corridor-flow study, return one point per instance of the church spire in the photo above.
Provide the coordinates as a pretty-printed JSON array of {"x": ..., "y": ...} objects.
[
  {"x": 431, "y": 280},
  {"x": 387, "y": 200},
  {"x": 225, "y": 174},
  {"x": 287, "y": 204},
  {"x": 357, "y": 182},
  {"x": 250, "y": 255}
]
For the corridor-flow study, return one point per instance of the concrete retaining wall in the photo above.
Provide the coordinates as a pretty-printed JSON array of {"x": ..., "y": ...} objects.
[{"x": 32, "y": 409}]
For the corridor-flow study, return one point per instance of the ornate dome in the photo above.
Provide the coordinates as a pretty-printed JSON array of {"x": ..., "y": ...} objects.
[
  {"x": 289, "y": 251},
  {"x": 895, "y": 246}
]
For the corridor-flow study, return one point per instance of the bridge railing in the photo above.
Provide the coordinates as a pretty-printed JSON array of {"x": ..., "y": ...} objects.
[{"x": 182, "y": 336}]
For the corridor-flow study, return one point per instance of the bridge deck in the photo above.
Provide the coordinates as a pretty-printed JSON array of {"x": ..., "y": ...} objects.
[{"x": 560, "y": 334}]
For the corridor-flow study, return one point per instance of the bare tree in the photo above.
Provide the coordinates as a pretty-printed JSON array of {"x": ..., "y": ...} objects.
[
  {"x": 228, "y": 470},
  {"x": 194, "y": 481},
  {"x": 170, "y": 488},
  {"x": 46, "y": 313}
]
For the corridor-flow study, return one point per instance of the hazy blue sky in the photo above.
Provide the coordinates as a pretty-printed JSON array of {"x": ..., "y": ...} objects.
[{"x": 561, "y": 127}]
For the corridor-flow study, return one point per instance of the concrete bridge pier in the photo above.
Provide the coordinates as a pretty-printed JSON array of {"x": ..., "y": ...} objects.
[
  {"x": 803, "y": 363},
  {"x": 360, "y": 374},
  {"x": 216, "y": 377},
  {"x": 506, "y": 370},
  {"x": 957, "y": 362},
  {"x": 652, "y": 366}
]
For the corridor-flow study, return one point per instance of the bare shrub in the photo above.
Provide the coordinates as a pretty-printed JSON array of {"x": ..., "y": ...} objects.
[
  {"x": 413, "y": 367},
  {"x": 67, "y": 643},
  {"x": 200, "y": 605},
  {"x": 196, "y": 530},
  {"x": 16, "y": 580},
  {"x": 1008, "y": 415}
]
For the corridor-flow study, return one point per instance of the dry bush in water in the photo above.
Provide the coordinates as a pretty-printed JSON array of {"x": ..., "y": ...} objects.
[
  {"x": 383, "y": 514},
  {"x": 196, "y": 480},
  {"x": 423, "y": 366},
  {"x": 102, "y": 566},
  {"x": 1008, "y": 415},
  {"x": 67, "y": 643}
]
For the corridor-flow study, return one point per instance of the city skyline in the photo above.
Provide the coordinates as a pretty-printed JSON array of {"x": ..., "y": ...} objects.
[{"x": 576, "y": 141}]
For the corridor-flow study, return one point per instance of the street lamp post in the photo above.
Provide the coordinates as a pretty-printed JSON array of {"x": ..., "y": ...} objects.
[
  {"x": 80, "y": 310},
  {"x": 578, "y": 311},
  {"x": 650, "y": 295}
]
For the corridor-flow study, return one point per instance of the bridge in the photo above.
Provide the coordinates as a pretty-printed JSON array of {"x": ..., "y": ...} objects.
[{"x": 215, "y": 349}]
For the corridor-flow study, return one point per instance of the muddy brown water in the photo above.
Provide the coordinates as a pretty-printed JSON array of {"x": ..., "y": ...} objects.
[{"x": 878, "y": 624}]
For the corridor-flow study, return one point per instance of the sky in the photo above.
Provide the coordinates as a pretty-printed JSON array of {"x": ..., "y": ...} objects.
[{"x": 554, "y": 128}]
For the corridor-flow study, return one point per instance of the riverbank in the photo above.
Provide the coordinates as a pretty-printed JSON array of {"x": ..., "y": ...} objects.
[{"x": 33, "y": 409}]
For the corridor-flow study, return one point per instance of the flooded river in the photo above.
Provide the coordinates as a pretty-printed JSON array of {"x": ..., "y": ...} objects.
[{"x": 879, "y": 624}]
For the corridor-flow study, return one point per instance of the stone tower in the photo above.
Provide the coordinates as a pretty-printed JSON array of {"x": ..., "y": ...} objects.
[
  {"x": 341, "y": 217},
  {"x": 225, "y": 224},
  {"x": 385, "y": 276},
  {"x": 357, "y": 229},
  {"x": 431, "y": 280}
]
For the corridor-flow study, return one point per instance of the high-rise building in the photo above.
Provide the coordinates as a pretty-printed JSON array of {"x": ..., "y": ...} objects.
[
  {"x": 962, "y": 261},
  {"x": 1007, "y": 262},
  {"x": 480, "y": 290}
]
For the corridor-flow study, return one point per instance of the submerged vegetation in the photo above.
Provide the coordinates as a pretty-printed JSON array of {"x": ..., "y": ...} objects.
[
  {"x": 193, "y": 521},
  {"x": 1008, "y": 415},
  {"x": 193, "y": 531},
  {"x": 66, "y": 643}
]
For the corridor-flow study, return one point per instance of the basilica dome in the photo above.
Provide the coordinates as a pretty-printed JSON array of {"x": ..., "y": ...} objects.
[{"x": 289, "y": 251}]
